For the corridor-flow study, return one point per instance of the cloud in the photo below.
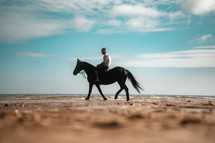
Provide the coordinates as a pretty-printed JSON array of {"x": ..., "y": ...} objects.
[
  {"x": 176, "y": 15},
  {"x": 141, "y": 23},
  {"x": 201, "y": 58},
  {"x": 16, "y": 27},
  {"x": 203, "y": 38},
  {"x": 31, "y": 54},
  {"x": 138, "y": 17},
  {"x": 134, "y": 10},
  {"x": 82, "y": 24},
  {"x": 23, "y": 20},
  {"x": 205, "y": 47},
  {"x": 199, "y": 7},
  {"x": 20, "y": 23},
  {"x": 161, "y": 2},
  {"x": 77, "y": 6},
  {"x": 114, "y": 22},
  {"x": 118, "y": 30},
  {"x": 111, "y": 31},
  {"x": 163, "y": 29}
]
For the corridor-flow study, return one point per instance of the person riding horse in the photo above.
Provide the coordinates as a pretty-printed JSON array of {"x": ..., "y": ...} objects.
[
  {"x": 116, "y": 74},
  {"x": 104, "y": 66},
  {"x": 100, "y": 76}
]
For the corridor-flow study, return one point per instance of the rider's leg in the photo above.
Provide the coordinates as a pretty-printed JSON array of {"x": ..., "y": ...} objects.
[{"x": 97, "y": 76}]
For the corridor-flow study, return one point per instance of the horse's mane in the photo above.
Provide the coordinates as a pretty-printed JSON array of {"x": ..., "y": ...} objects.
[{"x": 87, "y": 64}]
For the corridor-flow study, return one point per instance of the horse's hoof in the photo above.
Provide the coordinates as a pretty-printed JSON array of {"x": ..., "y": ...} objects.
[
  {"x": 116, "y": 98},
  {"x": 105, "y": 98},
  {"x": 87, "y": 98},
  {"x": 128, "y": 99}
]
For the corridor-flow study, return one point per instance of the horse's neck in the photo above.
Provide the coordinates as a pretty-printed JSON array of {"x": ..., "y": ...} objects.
[{"x": 88, "y": 68}]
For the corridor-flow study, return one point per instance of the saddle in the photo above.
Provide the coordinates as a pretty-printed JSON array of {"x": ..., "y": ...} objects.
[{"x": 102, "y": 68}]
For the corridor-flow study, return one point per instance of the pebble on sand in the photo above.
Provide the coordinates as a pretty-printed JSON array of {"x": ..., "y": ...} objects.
[{"x": 210, "y": 102}]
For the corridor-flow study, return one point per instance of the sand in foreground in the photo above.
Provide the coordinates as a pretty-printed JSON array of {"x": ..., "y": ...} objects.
[{"x": 72, "y": 119}]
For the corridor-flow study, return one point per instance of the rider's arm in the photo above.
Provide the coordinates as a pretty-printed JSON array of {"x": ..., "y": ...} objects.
[{"x": 104, "y": 59}]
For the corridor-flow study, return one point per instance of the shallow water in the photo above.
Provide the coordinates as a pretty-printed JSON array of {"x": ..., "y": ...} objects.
[{"x": 80, "y": 99}]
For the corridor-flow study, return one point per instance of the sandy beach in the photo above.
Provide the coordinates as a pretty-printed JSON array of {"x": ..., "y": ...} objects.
[{"x": 66, "y": 118}]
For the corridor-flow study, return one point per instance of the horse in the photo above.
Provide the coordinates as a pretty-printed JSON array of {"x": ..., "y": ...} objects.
[{"x": 117, "y": 74}]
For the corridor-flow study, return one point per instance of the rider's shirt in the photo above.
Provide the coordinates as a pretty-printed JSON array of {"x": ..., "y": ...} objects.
[{"x": 107, "y": 60}]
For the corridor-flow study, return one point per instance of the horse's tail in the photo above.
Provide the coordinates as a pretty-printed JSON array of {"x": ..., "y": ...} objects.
[{"x": 134, "y": 82}]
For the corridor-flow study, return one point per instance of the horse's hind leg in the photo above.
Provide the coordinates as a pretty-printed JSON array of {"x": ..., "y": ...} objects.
[
  {"x": 118, "y": 92},
  {"x": 123, "y": 86},
  {"x": 127, "y": 93},
  {"x": 90, "y": 90},
  {"x": 100, "y": 91}
]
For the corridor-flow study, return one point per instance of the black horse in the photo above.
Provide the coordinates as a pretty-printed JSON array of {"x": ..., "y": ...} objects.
[{"x": 117, "y": 74}]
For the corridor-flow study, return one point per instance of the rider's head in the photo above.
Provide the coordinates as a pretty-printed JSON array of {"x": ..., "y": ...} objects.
[{"x": 103, "y": 51}]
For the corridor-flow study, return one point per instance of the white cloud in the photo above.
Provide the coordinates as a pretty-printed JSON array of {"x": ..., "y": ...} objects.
[
  {"x": 205, "y": 47},
  {"x": 161, "y": 2},
  {"x": 135, "y": 10},
  {"x": 80, "y": 23},
  {"x": 199, "y": 7},
  {"x": 77, "y": 6},
  {"x": 141, "y": 24},
  {"x": 137, "y": 18},
  {"x": 24, "y": 20},
  {"x": 162, "y": 29},
  {"x": 202, "y": 58},
  {"x": 113, "y": 30},
  {"x": 30, "y": 54},
  {"x": 20, "y": 26},
  {"x": 114, "y": 22},
  {"x": 179, "y": 17},
  {"x": 204, "y": 38},
  {"x": 176, "y": 15}
]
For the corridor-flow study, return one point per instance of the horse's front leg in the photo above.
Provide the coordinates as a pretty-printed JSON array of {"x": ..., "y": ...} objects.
[
  {"x": 100, "y": 91},
  {"x": 90, "y": 90}
]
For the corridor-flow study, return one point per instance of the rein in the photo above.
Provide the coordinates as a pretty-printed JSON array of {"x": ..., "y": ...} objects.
[{"x": 83, "y": 74}]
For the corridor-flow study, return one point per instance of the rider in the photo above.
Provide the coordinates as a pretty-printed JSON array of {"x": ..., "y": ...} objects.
[{"x": 105, "y": 65}]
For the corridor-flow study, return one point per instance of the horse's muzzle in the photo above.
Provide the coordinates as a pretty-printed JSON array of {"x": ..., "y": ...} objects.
[{"x": 75, "y": 73}]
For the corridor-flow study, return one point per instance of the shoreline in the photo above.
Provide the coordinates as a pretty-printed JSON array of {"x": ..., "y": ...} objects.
[{"x": 67, "y": 98}]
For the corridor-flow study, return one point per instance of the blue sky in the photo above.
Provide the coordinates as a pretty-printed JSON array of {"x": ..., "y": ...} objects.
[{"x": 169, "y": 45}]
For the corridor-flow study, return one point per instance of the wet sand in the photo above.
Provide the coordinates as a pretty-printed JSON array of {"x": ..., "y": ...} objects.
[{"x": 54, "y": 119}]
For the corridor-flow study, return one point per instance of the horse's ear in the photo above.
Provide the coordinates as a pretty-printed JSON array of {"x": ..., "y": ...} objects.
[{"x": 78, "y": 60}]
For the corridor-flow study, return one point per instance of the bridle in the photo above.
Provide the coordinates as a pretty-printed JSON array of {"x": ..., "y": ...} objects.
[{"x": 83, "y": 74}]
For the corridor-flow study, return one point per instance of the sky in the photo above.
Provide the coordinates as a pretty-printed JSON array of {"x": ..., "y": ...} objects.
[{"x": 168, "y": 45}]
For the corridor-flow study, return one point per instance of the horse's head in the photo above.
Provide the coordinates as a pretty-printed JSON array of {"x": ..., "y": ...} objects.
[{"x": 78, "y": 67}]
